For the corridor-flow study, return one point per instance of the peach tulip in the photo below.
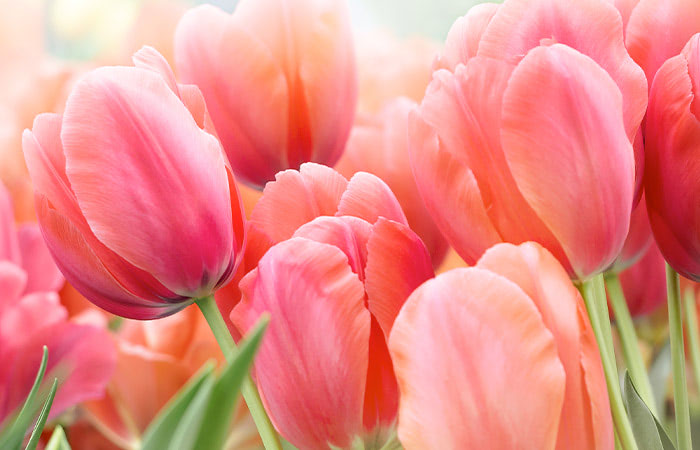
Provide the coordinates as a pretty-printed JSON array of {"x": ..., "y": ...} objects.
[
  {"x": 516, "y": 344},
  {"x": 378, "y": 144},
  {"x": 332, "y": 291},
  {"x": 672, "y": 144},
  {"x": 134, "y": 197},
  {"x": 278, "y": 77},
  {"x": 81, "y": 356},
  {"x": 531, "y": 138},
  {"x": 155, "y": 360}
]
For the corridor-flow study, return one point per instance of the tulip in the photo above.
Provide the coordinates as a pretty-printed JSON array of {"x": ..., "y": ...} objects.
[
  {"x": 379, "y": 144},
  {"x": 332, "y": 291},
  {"x": 512, "y": 148},
  {"x": 279, "y": 80},
  {"x": 134, "y": 197},
  {"x": 81, "y": 356},
  {"x": 515, "y": 344},
  {"x": 639, "y": 239},
  {"x": 672, "y": 143}
]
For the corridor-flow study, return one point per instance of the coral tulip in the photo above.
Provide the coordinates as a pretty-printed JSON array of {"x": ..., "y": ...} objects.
[
  {"x": 279, "y": 80},
  {"x": 81, "y": 356},
  {"x": 379, "y": 144},
  {"x": 639, "y": 238},
  {"x": 134, "y": 198},
  {"x": 513, "y": 321},
  {"x": 672, "y": 181},
  {"x": 512, "y": 148},
  {"x": 332, "y": 291}
]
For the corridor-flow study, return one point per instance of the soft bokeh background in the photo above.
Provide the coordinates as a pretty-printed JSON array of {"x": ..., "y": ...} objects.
[{"x": 82, "y": 29}]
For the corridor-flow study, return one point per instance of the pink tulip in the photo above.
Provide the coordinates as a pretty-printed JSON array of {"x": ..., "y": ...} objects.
[
  {"x": 80, "y": 356},
  {"x": 531, "y": 139},
  {"x": 379, "y": 144},
  {"x": 278, "y": 77},
  {"x": 515, "y": 342},
  {"x": 672, "y": 180},
  {"x": 332, "y": 291},
  {"x": 134, "y": 197}
]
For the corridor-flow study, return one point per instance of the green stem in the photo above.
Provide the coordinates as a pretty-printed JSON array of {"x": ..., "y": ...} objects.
[
  {"x": 596, "y": 304},
  {"x": 680, "y": 392},
  {"x": 691, "y": 317},
  {"x": 630, "y": 343},
  {"x": 216, "y": 322}
]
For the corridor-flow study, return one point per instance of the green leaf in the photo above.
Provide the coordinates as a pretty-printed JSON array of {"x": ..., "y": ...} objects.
[
  {"x": 186, "y": 431},
  {"x": 219, "y": 413},
  {"x": 58, "y": 440},
  {"x": 648, "y": 432},
  {"x": 13, "y": 435},
  {"x": 161, "y": 431},
  {"x": 41, "y": 421}
]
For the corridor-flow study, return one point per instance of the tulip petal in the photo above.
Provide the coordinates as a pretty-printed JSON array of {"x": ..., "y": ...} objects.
[
  {"x": 82, "y": 357},
  {"x": 488, "y": 330},
  {"x": 42, "y": 273},
  {"x": 563, "y": 104},
  {"x": 546, "y": 282},
  {"x": 349, "y": 234},
  {"x": 29, "y": 315},
  {"x": 369, "y": 198},
  {"x": 168, "y": 178},
  {"x": 658, "y": 30},
  {"x": 312, "y": 364},
  {"x": 397, "y": 263},
  {"x": 593, "y": 27},
  {"x": 84, "y": 270},
  {"x": 9, "y": 247},
  {"x": 451, "y": 194},
  {"x": 464, "y": 36},
  {"x": 293, "y": 199},
  {"x": 46, "y": 163},
  {"x": 465, "y": 110},
  {"x": 148, "y": 58},
  {"x": 13, "y": 281}
]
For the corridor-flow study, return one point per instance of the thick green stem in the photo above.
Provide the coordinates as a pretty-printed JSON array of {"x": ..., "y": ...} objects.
[
  {"x": 680, "y": 391},
  {"x": 691, "y": 318},
  {"x": 216, "y": 322},
  {"x": 630, "y": 343},
  {"x": 593, "y": 292}
]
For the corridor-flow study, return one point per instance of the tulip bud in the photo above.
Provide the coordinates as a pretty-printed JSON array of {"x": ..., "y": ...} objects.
[
  {"x": 135, "y": 200},
  {"x": 279, "y": 80}
]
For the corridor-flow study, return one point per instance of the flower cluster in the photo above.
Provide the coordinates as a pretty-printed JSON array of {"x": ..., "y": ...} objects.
[{"x": 429, "y": 230}]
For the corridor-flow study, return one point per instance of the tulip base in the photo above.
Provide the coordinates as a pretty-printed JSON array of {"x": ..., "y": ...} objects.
[
  {"x": 680, "y": 391},
  {"x": 593, "y": 291},
  {"x": 216, "y": 322}
]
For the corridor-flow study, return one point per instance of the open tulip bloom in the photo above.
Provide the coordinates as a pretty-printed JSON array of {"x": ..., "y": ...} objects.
[{"x": 555, "y": 149}]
